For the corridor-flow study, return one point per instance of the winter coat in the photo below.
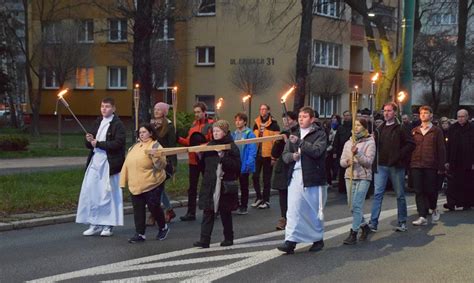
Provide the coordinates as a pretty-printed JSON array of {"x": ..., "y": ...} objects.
[
  {"x": 270, "y": 128},
  {"x": 168, "y": 140},
  {"x": 231, "y": 168},
  {"x": 280, "y": 169},
  {"x": 362, "y": 162},
  {"x": 248, "y": 152},
  {"x": 401, "y": 146},
  {"x": 430, "y": 150},
  {"x": 461, "y": 146},
  {"x": 140, "y": 172},
  {"x": 203, "y": 126},
  {"x": 343, "y": 134},
  {"x": 313, "y": 155},
  {"x": 114, "y": 144}
]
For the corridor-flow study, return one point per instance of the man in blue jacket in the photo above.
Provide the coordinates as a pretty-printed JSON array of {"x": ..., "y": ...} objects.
[{"x": 248, "y": 153}]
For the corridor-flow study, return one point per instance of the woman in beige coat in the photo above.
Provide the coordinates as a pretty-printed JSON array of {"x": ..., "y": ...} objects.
[{"x": 144, "y": 174}]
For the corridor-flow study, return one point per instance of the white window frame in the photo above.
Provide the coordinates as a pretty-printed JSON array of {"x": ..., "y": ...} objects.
[
  {"x": 86, "y": 25},
  {"x": 328, "y": 8},
  {"x": 207, "y": 52},
  {"x": 54, "y": 80},
  {"x": 166, "y": 31},
  {"x": 119, "y": 30},
  {"x": 88, "y": 70},
  {"x": 316, "y": 103},
  {"x": 206, "y": 14},
  {"x": 119, "y": 79},
  {"x": 332, "y": 54}
]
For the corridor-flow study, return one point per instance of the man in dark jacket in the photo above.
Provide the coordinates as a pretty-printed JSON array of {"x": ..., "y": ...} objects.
[
  {"x": 100, "y": 202},
  {"x": 343, "y": 134},
  {"x": 460, "y": 163},
  {"x": 394, "y": 147}
]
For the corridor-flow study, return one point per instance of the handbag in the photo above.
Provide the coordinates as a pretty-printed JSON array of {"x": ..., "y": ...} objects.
[{"x": 230, "y": 187}]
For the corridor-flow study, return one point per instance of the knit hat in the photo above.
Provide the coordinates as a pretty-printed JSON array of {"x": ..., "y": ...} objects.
[
  {"x": 163, "y": 107},
  {"x": 223, "y": 125}
]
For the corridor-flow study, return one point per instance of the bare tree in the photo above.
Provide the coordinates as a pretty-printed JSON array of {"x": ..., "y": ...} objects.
[
  {"x": 252, "y": 79},
  {"x": 327, "y": 83}
]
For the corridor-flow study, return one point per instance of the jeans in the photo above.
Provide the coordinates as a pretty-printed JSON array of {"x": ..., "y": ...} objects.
[
  {"x": 150, "y": 199},
  {"x": 264, "y": 163},
  {"x": 424, "y": 183},
  {"x": 244, "y": 190},
  {"x": 359, "y": 191},
  {"x": 397, "y": 177}
]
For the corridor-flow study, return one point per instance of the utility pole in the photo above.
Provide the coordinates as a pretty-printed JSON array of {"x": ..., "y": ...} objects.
[{"x": 406, "y": 76}]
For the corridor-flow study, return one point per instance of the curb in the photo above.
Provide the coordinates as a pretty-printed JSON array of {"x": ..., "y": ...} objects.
[{"x": 67, "y": 218}]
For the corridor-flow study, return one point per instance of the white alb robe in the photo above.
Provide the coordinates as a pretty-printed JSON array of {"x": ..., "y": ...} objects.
[
  {"x": 304, "y": 216},
  {"x": 100, "y": 201}
]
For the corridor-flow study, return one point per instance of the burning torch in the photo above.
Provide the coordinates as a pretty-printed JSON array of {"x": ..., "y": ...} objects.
[
  {"x": 220, "y": 101},
  {"x": 174, "y": 98},
  {"x": 283, "y": 99},
  {"x": 244, "y": 99},
  {"x": 64, "y": 102},
  {"x": 136, "y": 101}
]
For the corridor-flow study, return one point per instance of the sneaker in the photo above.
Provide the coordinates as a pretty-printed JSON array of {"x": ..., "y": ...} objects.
[
  {"x": 257, "y": 203},
  {"x": 288, "y": 247},
  {"x": 372, "y": 228},
  {"x": 402, "y": 227},
  {"x": 107, "y": 231},
  {"x": 435, "y": 216},
  {"x": 93, "y": 230},
  {"x": 227, "y": 243},
  {"x": 200, "y": 244},
  {"x": 421, "y": 221},
  {"x": 281, "y": 225},
  {"x": 163, "y": 233},
  {"x": 188, "y": 217},
  {"x": 264, "y": 205},
  {"x": 242, "y": 211},
  {"x": 317, "y": 246},
  {"x": 137, "y": 238}
]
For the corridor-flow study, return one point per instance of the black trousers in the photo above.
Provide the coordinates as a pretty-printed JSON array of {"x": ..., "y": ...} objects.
[
  {"x": 194, "y": 172},
  {"x": 207, "y": 225},
  {"x": 152, "y": 199},
  {"x": 426, "y": 193},
  {"x": 244, "y": 189},
  {"x": 283, "y": 202},
  {"x": 263, "y": 164},
  {"x": 460, "y": 188}
]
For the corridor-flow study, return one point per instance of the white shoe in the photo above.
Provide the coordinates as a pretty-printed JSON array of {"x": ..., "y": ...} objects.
[
  {"x": 107, "y": 231},
  {"x": 420, "y": 222},
  {"x": 93, "y": 230},
  {"x": 435, "y": 216},
  {"x": 257, "y": 203},
  {"x": 264, "y": 205}
]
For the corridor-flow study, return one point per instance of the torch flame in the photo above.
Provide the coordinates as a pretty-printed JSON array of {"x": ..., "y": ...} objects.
[
  {"x": 137, "y": 86},
  {"x": 401, "y": 96},
  {"x": 245, "y": 98},
  {"x": 175, "y": 88},
  {"x": 63, "y": 92},
  {"x": 375, "y": 77},
  {"x": 283, "y": 98},
  {"x": 219, "y": 103}
]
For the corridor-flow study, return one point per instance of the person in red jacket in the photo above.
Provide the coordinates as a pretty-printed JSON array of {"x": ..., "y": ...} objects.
[{"x": 200, "y": 130}]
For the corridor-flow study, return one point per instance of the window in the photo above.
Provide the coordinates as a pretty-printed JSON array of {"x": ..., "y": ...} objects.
[
  {"x": 49, "y": 79},
  {"x": 209, "y": 100},
  {"x": 86, "y": 31},
  {"x": 117, "y": 30},
  {"x": 326, "y": 54},
  {"x": 207, "y": 8},
  {"x": 117, "y": 78},
  {"x": 444, "y": 19},
  {"x": 329, "y": 8},
  {"x": 85, "y": 78},
  {"x": 166, "y": 30},
  {"x": 50, "y": 32},
  {"x": 205, "y": 56},
  {"x": 325, "y": 106}
]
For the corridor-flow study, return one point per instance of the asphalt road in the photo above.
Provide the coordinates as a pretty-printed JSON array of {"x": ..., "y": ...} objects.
[{"x": 434, "y": 253}]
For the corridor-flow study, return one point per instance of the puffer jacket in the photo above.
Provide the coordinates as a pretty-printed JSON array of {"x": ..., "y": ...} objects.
[
  {"x": 362, "y": 168},
  {"x": 270, "y": 128}
]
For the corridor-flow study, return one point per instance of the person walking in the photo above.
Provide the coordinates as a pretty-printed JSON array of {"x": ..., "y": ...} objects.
[
  {"x": 359, "y": 153},
  {"x": 265, "y": 126},
  {"x": 427, "y": 161},
  {"x": 144, "y": 175},
  {"x": 394, "y": 148},
  {"x": 248, "y": 153},
  {"x": 343, "y": 134},
  {"x": 100, "y": 201},
  {"x": 219, "y": 186},
  {"x": 201, "y": 128}
]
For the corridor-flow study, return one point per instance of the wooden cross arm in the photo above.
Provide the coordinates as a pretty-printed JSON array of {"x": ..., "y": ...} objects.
[{"x": 260, "y": 140}]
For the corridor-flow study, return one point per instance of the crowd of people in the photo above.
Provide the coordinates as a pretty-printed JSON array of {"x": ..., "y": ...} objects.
[{"x": 370, "y": 153}]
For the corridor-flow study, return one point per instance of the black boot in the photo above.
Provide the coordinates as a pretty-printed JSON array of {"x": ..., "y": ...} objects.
[
  {"x": 317, "y": 246},
  {"x": 188, "y": 217},
  {"x": 227, "y": 243},
  {"x": 364, "y": 233},
  {"x": 200, "y": 244},
  {"x": 351, "y": 239},
  {"x": 288, "y": 247}
]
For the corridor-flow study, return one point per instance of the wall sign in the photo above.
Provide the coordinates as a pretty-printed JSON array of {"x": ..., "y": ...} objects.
[{"x": 249, "y": 61}]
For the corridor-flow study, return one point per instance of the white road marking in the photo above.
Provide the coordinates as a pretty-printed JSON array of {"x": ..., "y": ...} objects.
[{"x": 205, "y": 275}]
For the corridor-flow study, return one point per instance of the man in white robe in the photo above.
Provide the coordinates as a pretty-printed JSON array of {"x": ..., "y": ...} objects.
[
  {"x": 307, "y": 192},
  {"x": 100, "y": 202}
]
